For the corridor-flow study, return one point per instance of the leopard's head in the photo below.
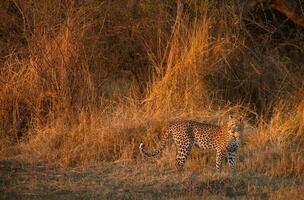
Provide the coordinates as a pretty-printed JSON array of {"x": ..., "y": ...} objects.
[{"x": 236, "y": 127}]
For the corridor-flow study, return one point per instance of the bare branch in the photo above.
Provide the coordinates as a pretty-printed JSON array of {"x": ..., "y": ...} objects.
[
  {"x": 283, "y": 7},
  {"x": 287, "y": 8}
]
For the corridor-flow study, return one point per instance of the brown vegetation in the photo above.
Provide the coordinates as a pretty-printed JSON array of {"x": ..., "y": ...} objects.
[{"x": 84, "y": 82}]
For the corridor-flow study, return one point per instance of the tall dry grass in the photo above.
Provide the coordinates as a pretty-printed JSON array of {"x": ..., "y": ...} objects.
[{"x": 85, "y": 82}]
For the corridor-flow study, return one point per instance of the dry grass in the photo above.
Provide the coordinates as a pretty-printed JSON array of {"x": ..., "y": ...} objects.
[{"x": 83, "y": 83}]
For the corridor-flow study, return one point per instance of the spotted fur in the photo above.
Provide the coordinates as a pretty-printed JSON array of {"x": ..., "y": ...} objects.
[{"x": 224, "y": 139}]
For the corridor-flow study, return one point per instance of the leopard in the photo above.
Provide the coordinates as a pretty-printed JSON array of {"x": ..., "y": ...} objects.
[{"x": 225, "y": 139}]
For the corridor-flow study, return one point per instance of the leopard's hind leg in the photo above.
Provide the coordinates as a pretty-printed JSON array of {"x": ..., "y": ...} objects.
[{"x": 182, "y": 154}]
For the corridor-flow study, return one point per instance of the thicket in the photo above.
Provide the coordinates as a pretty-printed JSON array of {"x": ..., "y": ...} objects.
[{"x": 84, "y": 81}]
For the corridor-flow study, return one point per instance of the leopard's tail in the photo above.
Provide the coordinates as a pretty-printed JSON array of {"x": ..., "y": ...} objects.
[{"x": 161, "y": 147}]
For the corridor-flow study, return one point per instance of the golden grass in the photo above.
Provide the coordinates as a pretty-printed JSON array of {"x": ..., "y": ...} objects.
[{"x": 85, "y": 83}]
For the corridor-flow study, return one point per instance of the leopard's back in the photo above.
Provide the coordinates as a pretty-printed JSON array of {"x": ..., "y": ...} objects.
[{"x": 204, "y": 135}]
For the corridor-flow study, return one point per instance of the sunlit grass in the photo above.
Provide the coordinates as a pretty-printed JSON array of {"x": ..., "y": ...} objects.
[{"x": 83, "y": 84}]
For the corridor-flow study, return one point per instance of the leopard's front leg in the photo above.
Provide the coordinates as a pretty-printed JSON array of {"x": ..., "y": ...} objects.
[{"x": 220, "y": 154}]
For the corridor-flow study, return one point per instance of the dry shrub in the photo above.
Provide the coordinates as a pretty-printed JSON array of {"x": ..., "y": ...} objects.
[
  {"x": 185, "y": 78},
  {"x": 53, "y": 80},
  {"x": 181, "y": 77},
  {"x": 277, "y": 147},
  {"x": 89, "y": 138}
]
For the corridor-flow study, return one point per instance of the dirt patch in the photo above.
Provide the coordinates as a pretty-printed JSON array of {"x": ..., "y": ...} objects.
[{"x": 19, "y": 180}]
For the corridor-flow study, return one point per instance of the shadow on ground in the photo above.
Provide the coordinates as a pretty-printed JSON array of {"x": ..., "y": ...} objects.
[{"x": 128, "y": 181}]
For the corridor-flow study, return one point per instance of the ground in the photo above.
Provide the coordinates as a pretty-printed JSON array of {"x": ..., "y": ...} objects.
[{"x": 134, "y": 180}]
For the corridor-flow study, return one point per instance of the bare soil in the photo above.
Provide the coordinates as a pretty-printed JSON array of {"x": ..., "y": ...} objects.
[{"x": 132, "y": 180}]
